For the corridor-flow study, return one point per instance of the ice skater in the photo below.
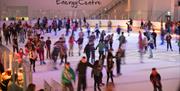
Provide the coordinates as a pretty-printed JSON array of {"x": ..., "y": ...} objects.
[
  {"x": 118, "y": 61},
  {"x": 81, "y": 70},
  {"x": 141, "y": 46},
  {"x": 155, "y": 79},
  {"x": 96, "y": 73},
  {"x": 118, "y": 30},
  {"x": 32, "y": 58},
  {"x": 54, "y": 56},
  {"x": 48, "y": 48},
  {"x": 101, "y": 48},
  {"x": 71, "y": 45},
  {"x": 168, "y": 39},
  {"x": 68, "y": 75},
  {"x": 97, "y": 30},
  {"x": 80, "y": 44},
  {"x": 151, "y": 47},
  {"x": 110, "y": 66}
]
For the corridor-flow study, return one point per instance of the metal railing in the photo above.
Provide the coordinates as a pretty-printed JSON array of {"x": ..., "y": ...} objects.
[
  {"x": 105, "y": 9},
  {"x": 162, "y": 16}
]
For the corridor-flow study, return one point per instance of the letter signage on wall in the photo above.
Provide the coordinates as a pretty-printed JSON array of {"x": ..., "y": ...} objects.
[{"x": 77, "y": 3}]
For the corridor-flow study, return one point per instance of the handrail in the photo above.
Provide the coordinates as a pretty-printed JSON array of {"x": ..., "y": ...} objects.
[
  {"x": 162, "y": 15},
  {"x": 108, "y": 7},
  {"x": 114, "y": 4}
]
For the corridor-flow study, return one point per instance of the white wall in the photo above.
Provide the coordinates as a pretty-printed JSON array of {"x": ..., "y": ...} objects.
[
  {"x": 139, "y": 8},
  {"x": 151, "y": 9},
  {"x": 37, "y": 8}
]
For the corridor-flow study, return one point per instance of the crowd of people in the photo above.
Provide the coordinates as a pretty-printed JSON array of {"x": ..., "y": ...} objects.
[{"x": 36, "y": 46}]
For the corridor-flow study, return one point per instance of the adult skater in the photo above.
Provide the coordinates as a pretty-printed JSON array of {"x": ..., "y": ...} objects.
[
  {"x": 122, "y": 39},
  {"x": 101, "y": 48},
  {"x": 96, "y": 73},
  {"x": 154, "y": 35},
  {"x": 110, "y": 66},
  {"x": 151, "y": 47},
  {"x": 81, "y": 70},
  {"x": 54, "y": 55},
  {"x": 168, "y": 39},
  {"x": 80, "y": 44}
]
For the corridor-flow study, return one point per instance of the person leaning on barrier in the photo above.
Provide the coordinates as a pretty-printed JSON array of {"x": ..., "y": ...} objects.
[
  {"x": 13, "y": 85},
  {"x": 6, "y": 77}
]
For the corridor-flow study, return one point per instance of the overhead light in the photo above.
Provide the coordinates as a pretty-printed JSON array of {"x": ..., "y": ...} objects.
[
  {"x": 6, "y": 18},
  {"x": 168, "y": 13}
]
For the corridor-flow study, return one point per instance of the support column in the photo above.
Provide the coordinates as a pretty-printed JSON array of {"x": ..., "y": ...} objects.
[
  {"x": 129, "y": 8},
  {"x": 176, "y": 11},
  {"x": 150, "y": 9}
]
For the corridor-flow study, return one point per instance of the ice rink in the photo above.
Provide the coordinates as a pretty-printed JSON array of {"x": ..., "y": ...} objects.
[{"x": 135, "y": 75}]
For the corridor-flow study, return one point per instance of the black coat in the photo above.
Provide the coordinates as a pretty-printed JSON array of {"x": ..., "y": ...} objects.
[
  {"x": 87, "y": 49},
  {"x": 82, "y": 68},
  {"x": 155, "y": 79}
]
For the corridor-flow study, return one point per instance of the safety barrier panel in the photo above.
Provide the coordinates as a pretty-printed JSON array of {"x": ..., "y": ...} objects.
[
  {"x": 27, "y": 74},
  {"x": 56, "y": 86},
  {"x": 47, "y": 86}
]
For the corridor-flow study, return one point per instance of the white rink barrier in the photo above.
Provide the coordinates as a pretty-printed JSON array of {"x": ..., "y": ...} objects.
[{"x": 103, "y": 23}]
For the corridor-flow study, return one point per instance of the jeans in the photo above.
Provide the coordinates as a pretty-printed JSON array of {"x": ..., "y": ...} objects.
[
  {"x": 71, "y": 49},
  {"x": 8, "y": 39},
  {"x": 154, "y": 42},
  {"x": 118, "y": 65},
  {"x": 101, "y": 53},
  {"x": 150, "y": 52},
  {"x": 157, "y": 88},
  {"x": 15, "y": 49},
  {"x": 92, "y": 56},
  {"x": 97, "y": 82},
  {"x": 32, "y": 62},
  {"x": 162, "y": 40},
  {"x": 63, "y": 57},
  {"x": 111, "y": 44},
  {"x": 88, "y": 56},
  {"x": 80, "y": 48},
  {"x": 110, "y": 75},
  {"x": 81, "y": 82},
  {"x": 169, "y": 45},
  {"x": 41, "y": 56},
  {"x": 55, "y": 31},
  {"x": 22, "y": 37},
  {"x": 48, "y": 54}
]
